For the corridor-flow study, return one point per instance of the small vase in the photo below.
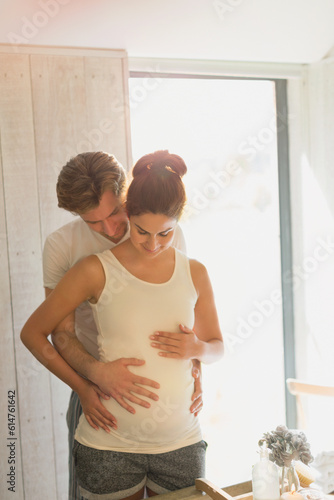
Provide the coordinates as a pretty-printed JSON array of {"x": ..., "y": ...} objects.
[{"x": 288, "y": 479}]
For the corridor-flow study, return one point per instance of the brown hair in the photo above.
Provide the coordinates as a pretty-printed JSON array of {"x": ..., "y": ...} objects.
[
  {"x": 157, "y": 186},
  {"x": 85, "y": 178}
]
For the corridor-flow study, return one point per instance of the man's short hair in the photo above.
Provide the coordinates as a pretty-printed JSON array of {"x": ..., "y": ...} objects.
[{"x": 85, "y": 178}]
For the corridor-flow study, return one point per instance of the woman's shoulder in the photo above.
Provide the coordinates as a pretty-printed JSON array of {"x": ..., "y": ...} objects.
[
  {"x": 199, "y": 273},
  {"x": 86, "y": 275},
  {"x": 88, "y": 265},
  {"x": 197, "y": 266}
]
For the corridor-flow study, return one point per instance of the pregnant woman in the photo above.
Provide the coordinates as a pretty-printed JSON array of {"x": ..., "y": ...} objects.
[{"x": 134, "y": 289}]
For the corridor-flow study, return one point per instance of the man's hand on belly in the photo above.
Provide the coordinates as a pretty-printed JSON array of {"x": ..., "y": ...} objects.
[
  {"x": 96, "y": 414},
  {"x": 197, "y": 401},
  {"x": 116, "y": 380}
]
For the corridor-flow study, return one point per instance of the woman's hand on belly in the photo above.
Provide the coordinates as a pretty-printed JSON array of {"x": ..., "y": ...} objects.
[{"x": 183, "y": 345}]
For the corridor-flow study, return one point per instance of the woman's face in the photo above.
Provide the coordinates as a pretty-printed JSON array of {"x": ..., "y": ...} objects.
[{"x": 151, "y": 234}]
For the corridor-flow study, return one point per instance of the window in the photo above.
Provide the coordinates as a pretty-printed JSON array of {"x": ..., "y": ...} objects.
[{"x": 225, "y": 129}]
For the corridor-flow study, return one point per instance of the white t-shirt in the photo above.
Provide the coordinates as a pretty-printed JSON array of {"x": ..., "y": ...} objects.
[
  {"x": 65, "y": 247},
  {"x": 128, "y": 311}
]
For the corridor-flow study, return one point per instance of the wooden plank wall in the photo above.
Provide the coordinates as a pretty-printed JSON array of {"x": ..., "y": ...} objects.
[{"x": 54, "y": 103}]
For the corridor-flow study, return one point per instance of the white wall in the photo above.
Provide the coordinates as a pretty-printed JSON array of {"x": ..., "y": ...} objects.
[{"x": 280, "y": 31}]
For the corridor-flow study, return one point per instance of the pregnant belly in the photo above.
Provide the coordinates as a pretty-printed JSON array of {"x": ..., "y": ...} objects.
[{"x": 167, "y": 419}]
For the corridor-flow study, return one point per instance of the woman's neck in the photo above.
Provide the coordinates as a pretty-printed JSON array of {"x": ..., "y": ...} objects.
[{"x": 153, "y": 269}]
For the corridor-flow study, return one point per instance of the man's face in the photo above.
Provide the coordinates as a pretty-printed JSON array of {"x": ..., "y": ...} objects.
[{"x": 108, "y": 218}]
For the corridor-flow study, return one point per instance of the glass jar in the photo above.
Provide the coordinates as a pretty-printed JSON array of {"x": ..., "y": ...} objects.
[{"x": 288, "y": 478}]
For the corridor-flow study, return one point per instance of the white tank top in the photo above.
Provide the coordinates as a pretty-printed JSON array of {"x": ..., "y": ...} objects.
[{"x": 129, "y": 310}]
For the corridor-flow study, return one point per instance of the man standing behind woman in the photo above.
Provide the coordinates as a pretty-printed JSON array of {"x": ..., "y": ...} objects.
[
  {"x": 93, "y": 186},
  {"x": 162, "y": 292}
]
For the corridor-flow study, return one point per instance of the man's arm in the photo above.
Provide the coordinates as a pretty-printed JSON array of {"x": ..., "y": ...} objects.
[{"x": 112, "y": 379}]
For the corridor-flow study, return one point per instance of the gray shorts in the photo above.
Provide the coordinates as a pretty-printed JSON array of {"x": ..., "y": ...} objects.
[{"x": 112, "y": 475}]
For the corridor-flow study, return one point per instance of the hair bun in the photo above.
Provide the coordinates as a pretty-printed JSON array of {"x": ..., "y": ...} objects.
[{"x": 160, "y": 161}]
